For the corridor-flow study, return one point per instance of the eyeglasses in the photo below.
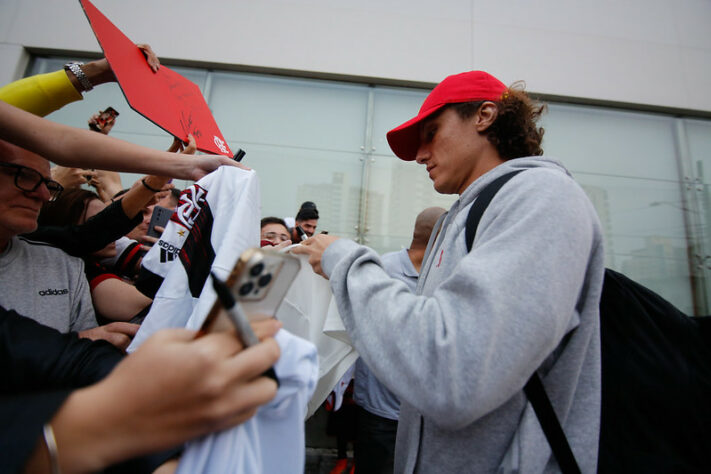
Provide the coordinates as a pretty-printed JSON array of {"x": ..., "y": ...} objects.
[
  {"x": 275, "y": 236},
  {"x": 28, "y": 180}
]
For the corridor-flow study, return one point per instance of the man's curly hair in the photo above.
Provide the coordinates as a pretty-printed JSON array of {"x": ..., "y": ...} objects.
[{"x": 514, "y": 132}]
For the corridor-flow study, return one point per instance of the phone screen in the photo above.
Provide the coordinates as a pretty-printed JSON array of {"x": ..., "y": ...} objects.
[{"x": 106, "y": 117}]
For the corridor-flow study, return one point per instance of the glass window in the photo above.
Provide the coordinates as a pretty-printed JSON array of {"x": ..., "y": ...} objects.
[
  {"x": 254, "y": 108},
  {"x": 397, "y": 190},
  {"x": 698, "y": 135},
  {"x": 627, "y": 164},
  {"x": 304, "y": 139},
  {"x": 325, "y": 141}
]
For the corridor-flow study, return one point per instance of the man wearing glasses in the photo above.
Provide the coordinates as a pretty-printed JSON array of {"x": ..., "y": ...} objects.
[
  {"x": 38, "y": 281},
  {"x": 274, "y": 232}
]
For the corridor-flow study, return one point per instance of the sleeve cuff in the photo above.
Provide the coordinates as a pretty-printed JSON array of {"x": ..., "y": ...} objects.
[
  {"x": 335, "y": 252},
  {"x": 94, "y": 282}
]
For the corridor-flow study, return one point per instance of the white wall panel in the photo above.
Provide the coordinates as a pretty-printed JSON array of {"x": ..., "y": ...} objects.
[
  {"x": 573, "y": 65},
  {"x": 649, "y": 52}
]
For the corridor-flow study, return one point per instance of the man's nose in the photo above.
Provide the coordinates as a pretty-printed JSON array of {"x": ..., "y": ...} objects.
[
  {"x": 423, "y": 153},
  {"x": 42, "y": 192}
]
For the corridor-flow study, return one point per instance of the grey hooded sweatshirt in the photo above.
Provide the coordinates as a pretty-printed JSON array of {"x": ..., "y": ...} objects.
[{"x": 458, "y": 353}]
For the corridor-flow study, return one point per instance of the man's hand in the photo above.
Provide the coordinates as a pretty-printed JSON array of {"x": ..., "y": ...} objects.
[
  {"x": 147, "y": 241},
  {"x": 100, "y": 72},
  {"x": 94, "y": 120},
  {"x": 265, "y": 328},
  {"x": 211, "y": 382},
  {"x": 172, "y": 389},
  {"x": 314, "y": 247},
  {"x": 206, "y": 164},
  {"x": 106, "y": 183},
  {"x": 71, "y": 178},
  {"x": 150, "y": 56},
  {"x": 179, "y": 147},
  {"x": 119, "y": 334},
  {"x": 281, "y": 245}
]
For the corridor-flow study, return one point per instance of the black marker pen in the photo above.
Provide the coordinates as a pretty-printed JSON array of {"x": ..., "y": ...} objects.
[
  {"x": 302, "y": 233},
  {"x": 239, "y": 155}
]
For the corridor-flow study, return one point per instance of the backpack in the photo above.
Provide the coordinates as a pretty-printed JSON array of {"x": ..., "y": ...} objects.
[{"x": 656, "y": 378}]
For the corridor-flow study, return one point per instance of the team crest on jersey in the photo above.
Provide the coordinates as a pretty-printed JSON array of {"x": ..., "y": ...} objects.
[
  {"x": 191, "y": 203},
  {"x": 220, "y": 144}
]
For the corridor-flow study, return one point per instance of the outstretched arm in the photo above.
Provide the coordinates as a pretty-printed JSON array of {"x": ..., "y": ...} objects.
[
  {"x": 118, "y": 300},
  {"x": 42, "y": 94},
  {"x": 473, "y": 333},
  {"x": 172, "y": 389},
  {"x": 73, "y": 147},
  {"x": 140, "y": 194}
]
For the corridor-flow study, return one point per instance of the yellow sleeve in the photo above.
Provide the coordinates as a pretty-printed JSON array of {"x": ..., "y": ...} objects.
[{"x": 41, "y": 94}]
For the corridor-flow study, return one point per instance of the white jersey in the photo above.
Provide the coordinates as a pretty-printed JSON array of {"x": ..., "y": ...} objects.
[
  {"x": 273, "y": 441},
  {"x": 215, "y": 221}
]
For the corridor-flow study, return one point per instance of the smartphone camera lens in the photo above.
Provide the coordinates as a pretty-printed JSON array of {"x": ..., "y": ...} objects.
[
  {"x": 265, "y": 279},
  {"x": 246, "y": 288},
  {"x": 257, "y": 269}
]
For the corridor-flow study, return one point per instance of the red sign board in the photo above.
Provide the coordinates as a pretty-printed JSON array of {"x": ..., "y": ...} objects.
[{"x": 166, "y": 98}]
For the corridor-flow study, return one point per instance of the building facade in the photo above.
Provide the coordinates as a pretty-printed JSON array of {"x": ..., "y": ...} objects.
[{"x": 309, "y": 88}]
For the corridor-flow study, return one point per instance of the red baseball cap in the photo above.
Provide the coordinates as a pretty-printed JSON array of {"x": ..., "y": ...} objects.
[{"x": 465, "y": 87}]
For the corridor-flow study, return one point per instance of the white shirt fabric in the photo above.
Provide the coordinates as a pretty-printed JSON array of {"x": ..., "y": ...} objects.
[
  {"x": 306, "y": 310},
  {"x": 216, "y": 220},
  {"x": 272, "y": 441},
  {"x": 231, "y": 196}
]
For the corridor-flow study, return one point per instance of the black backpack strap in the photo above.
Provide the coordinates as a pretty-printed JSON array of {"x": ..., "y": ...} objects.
[
  {"x": 481, "y": 203},
  {"x": 534, "y": 389},
  {"x": 543, "y": 408}
]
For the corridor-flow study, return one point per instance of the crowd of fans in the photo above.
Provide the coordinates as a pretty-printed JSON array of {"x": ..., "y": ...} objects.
[
  {"x": 71, "y": 247},
  {"x": 72, "y": 243}
]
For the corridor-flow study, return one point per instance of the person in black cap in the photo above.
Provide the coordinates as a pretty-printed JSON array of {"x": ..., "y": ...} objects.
[{"x": 307, "y": 219}]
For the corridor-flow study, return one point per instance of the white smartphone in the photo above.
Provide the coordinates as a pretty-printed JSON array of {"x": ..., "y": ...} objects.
[{"x": 259, "y": 282}]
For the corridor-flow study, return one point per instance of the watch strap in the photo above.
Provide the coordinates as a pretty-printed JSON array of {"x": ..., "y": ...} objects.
[{"x": 74, "y": 68}]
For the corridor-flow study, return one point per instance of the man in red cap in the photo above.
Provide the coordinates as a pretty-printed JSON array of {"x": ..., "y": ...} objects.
[{"x": 524, "y": 300}]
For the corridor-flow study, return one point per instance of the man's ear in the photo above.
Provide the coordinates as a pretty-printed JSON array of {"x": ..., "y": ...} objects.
[{"x": 485, "y": 116}]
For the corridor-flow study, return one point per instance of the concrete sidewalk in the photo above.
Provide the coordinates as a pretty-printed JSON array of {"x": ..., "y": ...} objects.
[
  {"x": 323, "y": 460},
  {"x": 321, "y": 452}
]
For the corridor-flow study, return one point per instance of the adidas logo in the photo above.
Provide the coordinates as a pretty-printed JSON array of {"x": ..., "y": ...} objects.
[
  {"x": 167, "y": 251},
  {"x": 51, "y": 292},
  {"x": 166, "y": 256}
]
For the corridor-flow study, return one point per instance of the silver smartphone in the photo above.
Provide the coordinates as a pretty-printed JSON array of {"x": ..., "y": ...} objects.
[{"x": 259, "y": 282}]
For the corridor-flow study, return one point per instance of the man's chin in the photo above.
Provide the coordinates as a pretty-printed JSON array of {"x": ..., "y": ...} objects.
[
  {"x": 443, "y": 189},
  {"x": 25, "y": 226}
]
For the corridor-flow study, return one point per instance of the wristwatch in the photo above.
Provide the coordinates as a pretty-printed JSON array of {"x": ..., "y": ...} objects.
[{"x": 74, "y": 68}]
